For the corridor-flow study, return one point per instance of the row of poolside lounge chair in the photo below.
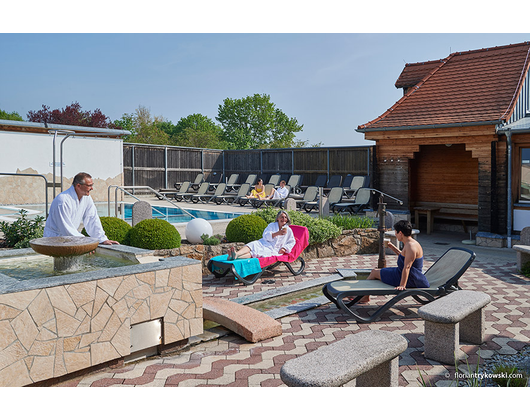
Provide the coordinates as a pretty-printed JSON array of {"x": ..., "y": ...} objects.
[{"x": 349, "y": 195}]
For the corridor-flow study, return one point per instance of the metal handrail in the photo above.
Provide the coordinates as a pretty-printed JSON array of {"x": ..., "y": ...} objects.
[
  {"x": 45, "y": 185},
  {"x": 135, "y": 187}
]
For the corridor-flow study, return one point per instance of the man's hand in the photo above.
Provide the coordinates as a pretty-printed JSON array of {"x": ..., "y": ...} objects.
[{"x": 109, "y": 242}]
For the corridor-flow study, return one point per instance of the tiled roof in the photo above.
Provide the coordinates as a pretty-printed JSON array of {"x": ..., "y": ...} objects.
[
  {"x": 466, "y": 87},
  {"x": 413, "y": 73}
]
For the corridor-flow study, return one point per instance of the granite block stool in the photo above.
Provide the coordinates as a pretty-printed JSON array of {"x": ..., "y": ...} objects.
[
  {"x": 368, "y": 359},
  {"x": 457, "y": 316}
]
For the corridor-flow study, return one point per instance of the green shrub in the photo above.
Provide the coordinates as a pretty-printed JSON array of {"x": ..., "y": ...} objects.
[
  {"x": 509, "y": 376},
  {"x": 211, "y": 240},
  {"x": 320, "y": 230},
  {"x": 245, "y": 228},
  {"x": 153, "y": 234},
  {"x": 18, "y": 233},
  {"x": 115, "y": 228},
  {"x": 351, "y": 222}
]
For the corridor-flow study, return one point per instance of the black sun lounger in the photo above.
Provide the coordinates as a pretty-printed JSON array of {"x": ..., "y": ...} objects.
[{"x": 442, "y": 276}]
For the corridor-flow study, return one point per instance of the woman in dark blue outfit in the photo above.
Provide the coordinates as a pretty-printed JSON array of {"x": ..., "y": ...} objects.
[{"x": 409, "y": 272}]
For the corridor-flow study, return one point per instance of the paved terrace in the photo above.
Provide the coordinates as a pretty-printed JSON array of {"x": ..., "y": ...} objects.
[{"x": 225, "y": 359}]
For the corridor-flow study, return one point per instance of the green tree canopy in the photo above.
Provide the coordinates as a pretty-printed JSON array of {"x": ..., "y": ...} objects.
[
  {"x": 143, "y": 126},
  {"x": 195, "y": 130},
  {"x": 254, "y": 122},
  {"x": 13, "y": 116}
]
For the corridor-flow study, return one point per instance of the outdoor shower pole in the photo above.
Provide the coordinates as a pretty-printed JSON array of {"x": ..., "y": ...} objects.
[
  {"x": 382, "y": 213},
  {"x": 381, "y": 263}
]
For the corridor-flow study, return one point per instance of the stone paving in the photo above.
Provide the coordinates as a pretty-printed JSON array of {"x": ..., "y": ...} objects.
[{"x": 229, "y": 360}]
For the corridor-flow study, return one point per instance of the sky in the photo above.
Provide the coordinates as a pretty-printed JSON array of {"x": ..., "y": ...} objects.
[{"x": 331, "y": 80}]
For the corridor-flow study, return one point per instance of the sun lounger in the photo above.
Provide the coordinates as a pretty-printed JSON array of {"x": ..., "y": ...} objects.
[
  {"x": 362, "y": 200},
  {"x": 274, "y": 202},
  {"x": 199, "y": 179},
  {"x": 334, "y": 181},
  {"x": 203, "y": 189},
  {"x": 355, "y": 184},
  {"x": 248, "y": 271},
  {"x": 321, "y": 181},
  {"x": 231, "y": 184},
  {"x": 214, "y": 179},
  {"x": 232, "y": 198},
  {"x": 205, "y": 197},
  {"x": 243, "y": 201},
  {"x": 275, "y": 180},
  {"x": 184, "y": 187},
  {"x": 442, "y": 276},
  {"x": 334, "y": 197},
  {"x": 294, "y": 183},
  {"x": 309, "y": 195}
]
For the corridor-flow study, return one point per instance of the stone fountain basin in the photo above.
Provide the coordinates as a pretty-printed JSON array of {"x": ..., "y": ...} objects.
[{"x": 64, "y": 246}]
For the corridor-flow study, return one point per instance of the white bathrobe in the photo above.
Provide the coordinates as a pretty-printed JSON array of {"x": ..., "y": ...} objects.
[
  {"x": 281, "y": 193},
  {"x": 269, "y": 246},
  {"x": 67, "y": 212}
]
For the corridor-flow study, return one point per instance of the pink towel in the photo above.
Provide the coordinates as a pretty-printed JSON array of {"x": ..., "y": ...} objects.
[{"x": 302, "y": 240}]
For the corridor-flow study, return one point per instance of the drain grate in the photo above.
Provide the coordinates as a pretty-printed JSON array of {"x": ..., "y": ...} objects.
[{"x": 441, "y": 243}]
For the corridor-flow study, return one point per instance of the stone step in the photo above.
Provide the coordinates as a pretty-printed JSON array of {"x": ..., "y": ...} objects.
[{"x": 247, "y": 322}]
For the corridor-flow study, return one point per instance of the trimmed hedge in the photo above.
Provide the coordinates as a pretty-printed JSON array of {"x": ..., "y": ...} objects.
[
  {"x": 154, "y": 234},
  {"x": 245, "y": 228},
  {"x": 115, "y": 228}
]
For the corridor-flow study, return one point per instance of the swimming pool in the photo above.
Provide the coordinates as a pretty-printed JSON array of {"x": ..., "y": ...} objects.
[{"x": 176, "y": 215}]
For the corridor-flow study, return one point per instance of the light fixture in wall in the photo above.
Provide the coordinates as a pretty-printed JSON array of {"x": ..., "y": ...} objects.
[{"x": 448, "y": 145}]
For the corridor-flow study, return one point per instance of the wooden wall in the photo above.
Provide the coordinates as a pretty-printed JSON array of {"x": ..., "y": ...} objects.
[
  {"x": 444, "y": 175},
  {"x": 158, "y": 166},
  {"x": 478, "y": 149}
]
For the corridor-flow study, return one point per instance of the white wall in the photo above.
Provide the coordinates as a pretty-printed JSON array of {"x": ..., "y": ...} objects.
[
  {"x": 32, "y": 153},
  {"x": 521, "y": 219}
]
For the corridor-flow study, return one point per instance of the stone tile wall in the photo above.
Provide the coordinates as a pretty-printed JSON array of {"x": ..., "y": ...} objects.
[{"x": 50, "y": 332}]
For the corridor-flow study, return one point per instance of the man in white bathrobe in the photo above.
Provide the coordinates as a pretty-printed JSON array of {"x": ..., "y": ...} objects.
[{"x": 72, "y": 207}]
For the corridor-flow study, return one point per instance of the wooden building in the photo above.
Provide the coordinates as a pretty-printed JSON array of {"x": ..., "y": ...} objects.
[{"x": 444, "y": 144}]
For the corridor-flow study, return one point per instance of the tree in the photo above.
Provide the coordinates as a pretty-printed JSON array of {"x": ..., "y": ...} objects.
[
  {"x": 254, "y": 122},
  {"x": 195, "y": 130},
  {"x": 71, "y": 115},
  {"x": 13, "y": 116},
  {"x": 143, "y": 127}
]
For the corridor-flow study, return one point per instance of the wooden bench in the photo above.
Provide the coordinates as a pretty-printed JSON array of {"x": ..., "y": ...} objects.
[
  {"x": 447, "y": 211},
  {"x": 457, "y": 316},
  {"x": 368, "y": 358}
]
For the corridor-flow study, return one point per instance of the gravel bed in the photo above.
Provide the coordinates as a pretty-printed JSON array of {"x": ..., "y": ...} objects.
[{"x": 521, "y": 360}]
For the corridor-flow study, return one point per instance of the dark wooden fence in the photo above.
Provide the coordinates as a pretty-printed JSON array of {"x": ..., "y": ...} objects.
[{"x": 163, "y": 166}]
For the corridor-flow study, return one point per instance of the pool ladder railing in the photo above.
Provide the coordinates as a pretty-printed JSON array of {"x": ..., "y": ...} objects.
[{"x": 124, "y": 188}]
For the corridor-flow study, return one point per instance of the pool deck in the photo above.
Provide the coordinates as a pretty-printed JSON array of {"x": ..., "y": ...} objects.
[{"x": 222, "y": 359}]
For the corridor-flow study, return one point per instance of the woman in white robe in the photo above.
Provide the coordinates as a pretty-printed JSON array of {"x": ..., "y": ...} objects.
[{"x": 278, "y": 239}]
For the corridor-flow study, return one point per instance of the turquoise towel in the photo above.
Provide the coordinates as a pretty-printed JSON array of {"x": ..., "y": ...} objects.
[{"x": 244, "y": 267}]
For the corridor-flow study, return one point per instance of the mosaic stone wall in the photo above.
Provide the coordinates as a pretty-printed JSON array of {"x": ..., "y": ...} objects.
[{"x": 47, "y": 333}]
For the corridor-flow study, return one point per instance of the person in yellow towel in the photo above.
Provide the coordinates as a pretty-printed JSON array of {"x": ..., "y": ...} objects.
[{"x": 258, "y": 191}]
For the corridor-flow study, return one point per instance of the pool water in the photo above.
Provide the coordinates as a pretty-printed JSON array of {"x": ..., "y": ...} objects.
[
  {"x": 171, "y": 214},
  {"x": 38, "y": 266},
  {"x": 176, "y": 215}
]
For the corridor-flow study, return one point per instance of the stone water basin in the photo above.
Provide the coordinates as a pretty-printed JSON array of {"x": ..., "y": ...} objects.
[{"x": 51, "y": 326}]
